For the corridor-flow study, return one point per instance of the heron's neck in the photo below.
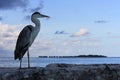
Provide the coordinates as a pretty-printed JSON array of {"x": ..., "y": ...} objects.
[{"x": 36, "y": 21}]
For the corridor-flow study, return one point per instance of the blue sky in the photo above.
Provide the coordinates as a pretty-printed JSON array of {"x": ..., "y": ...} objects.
[{"x": 76, "y": 27}]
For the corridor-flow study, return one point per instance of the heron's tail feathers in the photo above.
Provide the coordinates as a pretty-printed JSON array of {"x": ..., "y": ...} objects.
[{"x": 17, "y": 55}]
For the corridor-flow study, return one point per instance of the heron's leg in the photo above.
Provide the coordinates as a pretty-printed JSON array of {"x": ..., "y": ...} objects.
[
  {"x": 20, "y": 63},
  {"x": 28, "y": 59}
]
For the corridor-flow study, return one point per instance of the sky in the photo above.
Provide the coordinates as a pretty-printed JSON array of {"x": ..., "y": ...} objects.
[{"x": 75, "y": 27}]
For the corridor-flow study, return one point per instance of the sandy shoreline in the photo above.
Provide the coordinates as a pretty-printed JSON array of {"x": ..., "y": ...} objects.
[{"x": 63, "y": 72}]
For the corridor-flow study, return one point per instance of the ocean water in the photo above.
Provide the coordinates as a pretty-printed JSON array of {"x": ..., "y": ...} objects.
[{"x": 42, "y": 62}]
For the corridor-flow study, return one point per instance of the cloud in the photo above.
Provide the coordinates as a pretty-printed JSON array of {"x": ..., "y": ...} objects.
[
  {"x": 33, "y": 9},
  {"x": 63, "y": 46},
  {"x": 81, "y": 32},
  {"x": 38, "y": 8},
  {"x": 8, "y": 36},
  {"x": 24, "y": 5},
  {"x": 8, "y": 4},
  {"x": 60, "y": 32},
  {"x": 100, "y": 21},
  {"x": 13, "y": 5}
]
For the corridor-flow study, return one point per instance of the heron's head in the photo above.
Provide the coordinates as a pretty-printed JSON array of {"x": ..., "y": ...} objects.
[{"x": 39, "y": 15}]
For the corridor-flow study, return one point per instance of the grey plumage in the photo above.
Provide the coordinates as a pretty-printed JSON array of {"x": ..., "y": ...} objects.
[{"x": 23, "y": 42}]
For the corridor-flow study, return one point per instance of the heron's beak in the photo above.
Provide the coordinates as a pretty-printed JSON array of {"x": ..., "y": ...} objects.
[{"x": 45, "y": 16}]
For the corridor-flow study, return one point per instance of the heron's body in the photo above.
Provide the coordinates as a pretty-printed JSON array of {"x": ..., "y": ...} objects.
[
  {"x": 25, "y": 41},
  {"x": 27, "y": 37}
]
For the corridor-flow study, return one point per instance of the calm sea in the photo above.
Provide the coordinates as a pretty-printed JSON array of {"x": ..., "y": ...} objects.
[{"x": 42, "y": 62}]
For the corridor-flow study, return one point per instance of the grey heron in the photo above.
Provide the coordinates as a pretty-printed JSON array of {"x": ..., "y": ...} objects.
[{"x": 27, "y": 37}]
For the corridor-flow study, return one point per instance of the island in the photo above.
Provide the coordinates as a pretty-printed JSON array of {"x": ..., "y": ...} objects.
[
  {"x": 92, "y": 56},
  {"x": 79, "y": 56}
]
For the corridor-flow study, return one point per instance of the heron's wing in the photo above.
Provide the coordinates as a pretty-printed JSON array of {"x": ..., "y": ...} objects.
[{"x": 23, "y": 41}]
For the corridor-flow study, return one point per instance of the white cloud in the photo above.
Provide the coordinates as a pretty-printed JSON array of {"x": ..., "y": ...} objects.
[
  {"x": 8, "y": 36},
  {"x": 66, "y": 47},
  {"x": 81, "y": 32}
]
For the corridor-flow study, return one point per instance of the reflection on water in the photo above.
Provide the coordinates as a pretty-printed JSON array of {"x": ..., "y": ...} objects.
[{"x": 42, "y": 62}]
